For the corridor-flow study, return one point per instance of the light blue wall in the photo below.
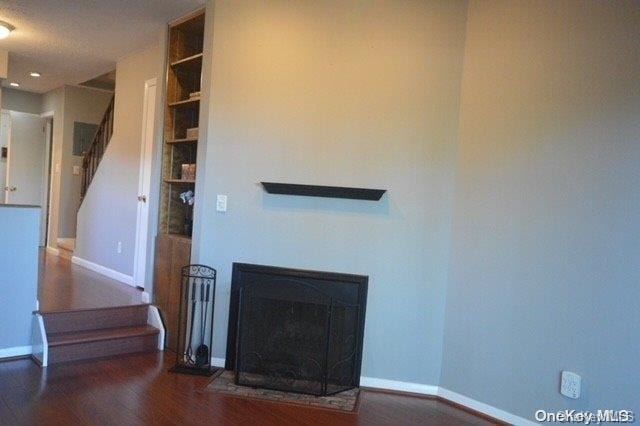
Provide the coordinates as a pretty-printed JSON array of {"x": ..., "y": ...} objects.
[
  {"x": 541, "y": 270},
  {"x": 108, "y": 213},
  {"x": 19, "y": 239},
  {"x": 86, "y": 105},
  {"x": 348, "y": 94},
  {"x": 545, "y": 265}
]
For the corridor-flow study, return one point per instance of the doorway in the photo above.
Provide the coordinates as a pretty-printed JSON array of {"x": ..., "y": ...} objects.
[
  {"x": 25, "y": 162},
  {"x": 144, "y": 185}
]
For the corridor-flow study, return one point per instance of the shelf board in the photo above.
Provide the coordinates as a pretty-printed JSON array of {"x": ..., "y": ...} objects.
[
  {"x": 183, "y": 140},
  {"x": 193, "y": 62},
  {"x": 178, "y": 236},
  {"x": 185, "y": 102},
  {"x": 180, "y": 181},
  {"x": 323, "y": 191}
]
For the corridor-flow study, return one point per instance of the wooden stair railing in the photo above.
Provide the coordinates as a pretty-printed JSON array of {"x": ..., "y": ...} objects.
[{"x": 96, "y": 150}]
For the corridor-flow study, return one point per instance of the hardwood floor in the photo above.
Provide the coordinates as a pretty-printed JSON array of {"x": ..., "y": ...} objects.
[
  {"x": 65, "y": 286},
  {"x": 137, "y": 389}
]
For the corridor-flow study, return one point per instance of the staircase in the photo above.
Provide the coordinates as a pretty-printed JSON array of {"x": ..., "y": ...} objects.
[
  {"x": 96, "y": 150},
  {"x": 95, "y": 333}
]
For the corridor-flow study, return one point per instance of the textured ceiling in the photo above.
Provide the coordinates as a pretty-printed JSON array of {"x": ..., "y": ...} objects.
[{"x": 73, "y": 41}]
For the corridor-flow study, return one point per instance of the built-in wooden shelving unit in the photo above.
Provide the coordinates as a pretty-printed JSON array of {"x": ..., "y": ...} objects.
[
  {"x": 184, "y": 74},
  {"x": 180, "y": 147}
]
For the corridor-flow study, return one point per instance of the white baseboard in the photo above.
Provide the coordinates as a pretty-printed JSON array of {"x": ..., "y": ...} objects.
[
  {"x": 16, "y": 351},
  {"x": 373, "y": 382},
  {"x": 217, "y": 362},
  {"x": 53, "y": 251},
  {"x": 103, "y": 270},
  {"x": 431, "y": 390},
  {"x": 484, "y": 408}
]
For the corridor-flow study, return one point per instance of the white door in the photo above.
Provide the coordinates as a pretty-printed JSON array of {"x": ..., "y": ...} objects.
[
  {"x": 26, "y": 156},
  {"x": 142, "y": 228}
]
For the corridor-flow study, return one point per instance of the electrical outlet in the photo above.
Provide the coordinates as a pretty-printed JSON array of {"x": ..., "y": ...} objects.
[
  {"x": 570, "y": 384},
  {"x": 119, "y": 247},
  {"x": 76, "y": 170},
  {"x": 221, "y": 203}
]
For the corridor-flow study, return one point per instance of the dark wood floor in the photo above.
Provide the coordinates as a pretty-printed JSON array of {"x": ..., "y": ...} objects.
[
  {"x": 64, "y": 286},
  {"x": 137, "y": 389}
]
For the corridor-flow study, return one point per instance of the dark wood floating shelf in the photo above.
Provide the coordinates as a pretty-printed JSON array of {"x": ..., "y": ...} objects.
[{"x": 323, "y": 191}]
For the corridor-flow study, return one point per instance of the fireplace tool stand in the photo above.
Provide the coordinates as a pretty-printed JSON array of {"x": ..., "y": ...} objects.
[{"x": 195, "y": 328}]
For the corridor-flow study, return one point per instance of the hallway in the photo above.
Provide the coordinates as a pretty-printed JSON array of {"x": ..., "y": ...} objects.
[{"x": 65, "y": 286}]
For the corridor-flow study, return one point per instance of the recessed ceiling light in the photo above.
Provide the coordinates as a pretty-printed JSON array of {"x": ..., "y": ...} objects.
[
  {"x": 5, "y": 29},
  {"x": 35, "y": 74},
  {"x": 14, "y": 84}
]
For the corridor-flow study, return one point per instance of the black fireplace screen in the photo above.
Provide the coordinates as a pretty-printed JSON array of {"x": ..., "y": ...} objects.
[{"x": 299, "y": 334}]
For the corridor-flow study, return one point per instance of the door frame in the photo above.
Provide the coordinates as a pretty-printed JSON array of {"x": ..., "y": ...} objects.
[
  {"x": 46, "y": 166},
  {"x": 50, "y": 117},
  {"x": 5, "y": 190},
  {"x": 46, "y": 184},
  {"x": 144, "y": 182}
]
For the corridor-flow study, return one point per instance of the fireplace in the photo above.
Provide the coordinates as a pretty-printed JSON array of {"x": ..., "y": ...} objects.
[{"x": 294, "y": 330}]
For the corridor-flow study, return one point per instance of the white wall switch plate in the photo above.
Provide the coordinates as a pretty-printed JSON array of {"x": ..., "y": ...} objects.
[
  {"x": 119, "y": 249},
  {"x": 76, "y": 170},
  {"x": 570, "y": 384},
  {"x": 221, "y": 203}
]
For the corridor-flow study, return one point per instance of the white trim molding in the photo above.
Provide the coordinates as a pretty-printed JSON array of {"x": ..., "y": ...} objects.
[
  {"x": 217, "y": 362},
  {"x": 374, "y": 382},
  {"x": 103, "y": 270},
  {"x": 40, "y": 347},
  {"x": 431, "y": 390},
  {"x": 154, "y": 319},
  {"x": 483, "y": 408},
  {"x": 448, "y": 395},
  {"x": 16, "y": 351}
]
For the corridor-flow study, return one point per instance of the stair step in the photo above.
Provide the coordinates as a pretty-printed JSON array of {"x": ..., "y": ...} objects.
[
  {"x": 95, "y": 319},
  {"x": 60, "y": 339},
  {"x": 88, "y": 344}
]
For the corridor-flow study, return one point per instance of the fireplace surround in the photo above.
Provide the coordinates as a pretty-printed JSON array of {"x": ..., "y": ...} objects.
[{"x": 296, "y": 330}]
